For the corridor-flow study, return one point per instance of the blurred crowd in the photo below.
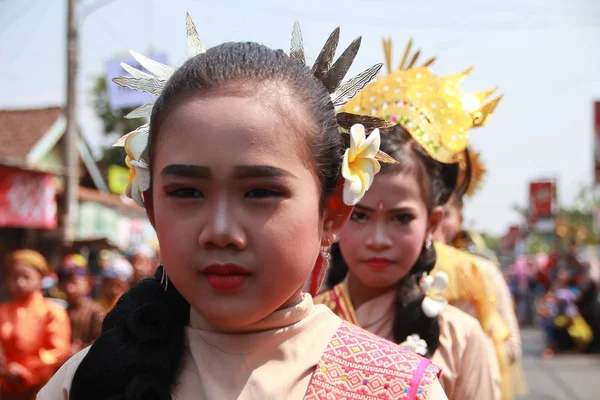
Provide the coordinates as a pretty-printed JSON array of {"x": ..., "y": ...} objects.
[
  {"x": 560, "y": 292},
  {"x": 49, "y": 313}
]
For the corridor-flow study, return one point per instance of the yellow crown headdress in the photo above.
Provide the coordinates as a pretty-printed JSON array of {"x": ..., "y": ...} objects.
[
  {"x": 433, "y": 109},
  {"x": 477, "y": 172}
]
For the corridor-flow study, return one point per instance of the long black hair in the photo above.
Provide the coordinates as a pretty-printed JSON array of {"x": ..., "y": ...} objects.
[
  {"x": 439, "y": 183},
  {"x": 139, "y": 353}
]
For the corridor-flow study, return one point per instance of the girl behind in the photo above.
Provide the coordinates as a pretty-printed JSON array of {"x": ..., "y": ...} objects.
[{"x": 386, "y": 248}]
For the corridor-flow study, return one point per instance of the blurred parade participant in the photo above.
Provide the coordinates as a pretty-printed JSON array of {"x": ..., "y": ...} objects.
[
  {"x": 386, "y": 249},
  {"x": 472, "y": 173},
  {"x": 35, "y": 333},
  {"x": 560, "y": 317},
  {"x": 117, "y": 275},
  {"x": 250, "y": 179},
  {"x": 85, "y": 314},
  {"x": 505, "y": 332},
  {"x": 143, "y": 261}
]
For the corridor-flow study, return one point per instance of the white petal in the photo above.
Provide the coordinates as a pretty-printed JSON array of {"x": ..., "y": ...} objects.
[
  {"x": 421, "y": 350},
  {"x": 346, "y": 172},
  {"x": 433, "y": 307},
  {"x": 353, "y": 191},
  {"x": 426, "y": 283},
  {"x": 136, "y": 144},
  {"x": 136, "y": 194},
  {"x": 357, "y": 137},
  {"x": 142, "y": 175},
  {"x": 371, "y": 145},
  {"x": 440, "y": 282}
]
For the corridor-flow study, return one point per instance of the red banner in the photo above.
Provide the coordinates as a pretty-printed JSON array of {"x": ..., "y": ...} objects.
[
  {"x": 542, "y": 196},
  {"x": 27, "y": 199}
]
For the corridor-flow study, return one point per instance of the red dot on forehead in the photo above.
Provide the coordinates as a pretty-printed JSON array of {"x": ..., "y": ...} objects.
[{"x": 380, "y": 205}]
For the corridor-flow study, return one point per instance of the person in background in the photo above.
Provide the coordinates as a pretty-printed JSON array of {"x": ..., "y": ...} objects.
[
  {"x": 85, "y": 314},
  {"x": 143, "y": 261},
  {"x": 117, "y": 276},
  {"x": 35, "y": 333}
]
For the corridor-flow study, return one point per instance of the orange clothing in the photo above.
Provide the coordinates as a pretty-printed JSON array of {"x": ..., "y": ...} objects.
[{"x": 35, "y": 334}]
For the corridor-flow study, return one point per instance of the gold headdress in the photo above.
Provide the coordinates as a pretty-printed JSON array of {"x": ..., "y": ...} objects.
[
  {"x": 433, "y": 109},
  {"x": 477, "y": 169},
  {"x": 363, "y": 151}
]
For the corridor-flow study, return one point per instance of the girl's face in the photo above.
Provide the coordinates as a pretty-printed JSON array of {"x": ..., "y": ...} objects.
[
  {"x": 23, "y": 279},
  {"x": 387, "y": 231},
  {"x": 235, "y": 204}
]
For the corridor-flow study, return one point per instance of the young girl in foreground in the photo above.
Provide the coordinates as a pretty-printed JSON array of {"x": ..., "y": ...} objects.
[
  {"x": 386, "y": 248},
  {"x": 246, "y": 187}
]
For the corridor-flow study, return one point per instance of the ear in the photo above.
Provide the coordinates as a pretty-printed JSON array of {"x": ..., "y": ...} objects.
[
  {"x": 336, "y": 214},
  {"x": 435, "y": 220},
  {"x": 149, "y": 204}
]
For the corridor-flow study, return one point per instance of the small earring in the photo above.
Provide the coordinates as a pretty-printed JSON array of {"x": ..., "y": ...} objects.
[
  {"x": 429, "y": 242},
  {"x": 164, "y": 280}
]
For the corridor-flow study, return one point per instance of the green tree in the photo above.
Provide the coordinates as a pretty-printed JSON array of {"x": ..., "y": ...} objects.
[{"x": 113, "y": 121}]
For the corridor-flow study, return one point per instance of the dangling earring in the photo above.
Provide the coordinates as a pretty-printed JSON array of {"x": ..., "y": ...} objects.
[
  {"x": 164, "y": 280},
  {"x": 429, "y": 242},
  {"x": 320, "y": 271}
]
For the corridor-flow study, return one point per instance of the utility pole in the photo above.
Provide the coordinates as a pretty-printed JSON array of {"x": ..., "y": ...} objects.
[{"x": 71, "y": 134}]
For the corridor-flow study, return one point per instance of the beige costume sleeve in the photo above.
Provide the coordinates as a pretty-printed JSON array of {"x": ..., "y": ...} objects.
[
  {"x": 479, "y": 374},
  {"x": 436, "y": 392},
  {"x": 59, "y": 386},
  {"x": 504, "y": 306}
]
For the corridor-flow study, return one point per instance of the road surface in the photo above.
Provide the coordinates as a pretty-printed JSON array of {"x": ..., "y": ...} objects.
[{"x": 564, "y": 377}]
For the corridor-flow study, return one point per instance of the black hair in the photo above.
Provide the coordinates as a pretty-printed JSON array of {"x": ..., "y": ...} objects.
[
  {"x": 139, "y": 352},
  {"x": 439, "y": 182},
  {"x": 230, "y": 66}
]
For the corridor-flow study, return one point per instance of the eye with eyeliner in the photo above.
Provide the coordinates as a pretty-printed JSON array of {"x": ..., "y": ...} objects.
[
  {"x": 182, "y": 191},
  {"x": 402, "y": 218},
  {"x": 358, "y": 216}
]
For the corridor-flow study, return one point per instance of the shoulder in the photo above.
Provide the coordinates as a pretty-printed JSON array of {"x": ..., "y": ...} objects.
[
  {"x": 60, "y": 385},
  {"x": 360, "y": 363},
  {"x": 95, "y": 308},
  {"x": 459, "y": 324}
]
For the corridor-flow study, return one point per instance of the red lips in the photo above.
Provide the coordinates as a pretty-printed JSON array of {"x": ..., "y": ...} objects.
[
  {"x": 225, "y": 277},
  {"x": 378, "y": 262}
]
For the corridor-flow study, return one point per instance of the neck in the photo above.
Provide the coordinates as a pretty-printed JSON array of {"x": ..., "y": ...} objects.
[
  {"x": 361, "y": 293},
  {"x": 74, "y": 303},
  {"x": 26, "y": 297}
]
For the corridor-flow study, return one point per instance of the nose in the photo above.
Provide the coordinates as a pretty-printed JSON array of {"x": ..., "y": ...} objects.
[
  {"x": 379, "y": 239},
  {"x": 222, "y": 229}
]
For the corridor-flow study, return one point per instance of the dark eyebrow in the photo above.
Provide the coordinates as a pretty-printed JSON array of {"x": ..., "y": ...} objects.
[
  {"x": 260, "y": 171},
  {"x": 390, "y": 211},
  {"x": 187, "y": 171}
]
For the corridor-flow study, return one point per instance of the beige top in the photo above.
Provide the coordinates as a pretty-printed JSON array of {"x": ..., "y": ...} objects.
[
  {"x": 504, "y": 305},
  {"x": 273, "y": 359},
  {"x": 465, "y": 354}
]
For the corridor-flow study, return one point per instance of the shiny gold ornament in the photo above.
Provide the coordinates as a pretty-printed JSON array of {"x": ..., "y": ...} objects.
[{"x": 433, "y": 109}]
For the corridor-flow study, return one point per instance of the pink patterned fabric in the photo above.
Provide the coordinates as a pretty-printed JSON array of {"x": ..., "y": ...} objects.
[{"x": 360, "y": 365}]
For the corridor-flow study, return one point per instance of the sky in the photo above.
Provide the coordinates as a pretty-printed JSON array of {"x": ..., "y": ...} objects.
[{"x": 542, "y": 54}]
